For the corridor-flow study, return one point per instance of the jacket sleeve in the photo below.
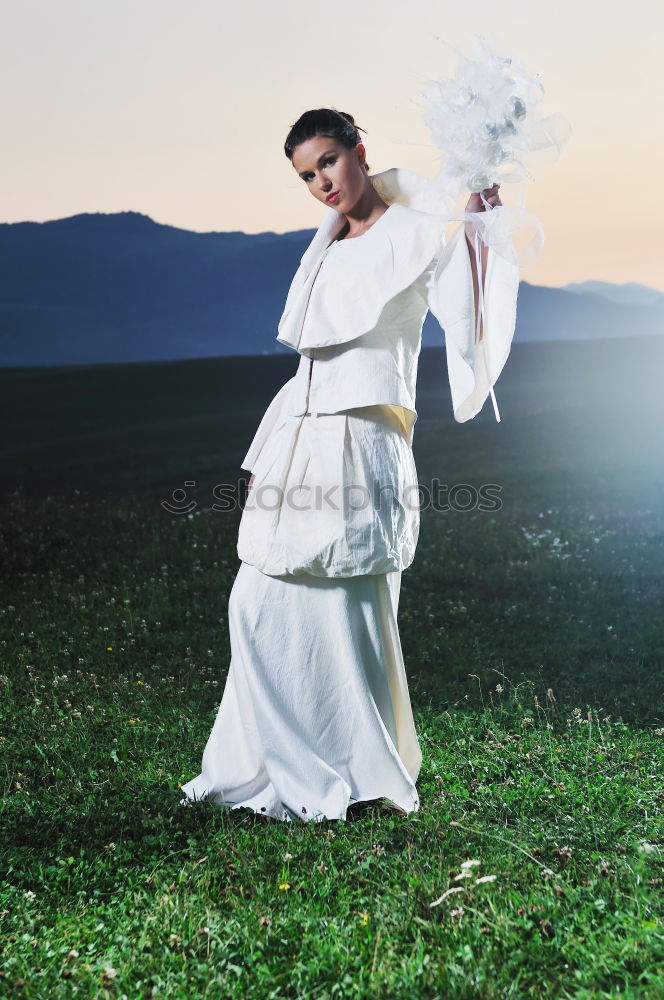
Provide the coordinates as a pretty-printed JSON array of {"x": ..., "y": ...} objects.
[
  {"x": 272, "y": 415},
  {"x": 473, "y": 368}
]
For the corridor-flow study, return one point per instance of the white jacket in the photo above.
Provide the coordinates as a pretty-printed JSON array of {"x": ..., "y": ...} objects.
[{"x": 355, "y": 311}]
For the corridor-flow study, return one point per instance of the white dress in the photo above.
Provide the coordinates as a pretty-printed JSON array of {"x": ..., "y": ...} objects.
[{"x": 316, "y": 713}]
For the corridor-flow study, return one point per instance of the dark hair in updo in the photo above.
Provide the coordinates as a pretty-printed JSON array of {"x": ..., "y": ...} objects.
[{"x": 324, "y": 121}]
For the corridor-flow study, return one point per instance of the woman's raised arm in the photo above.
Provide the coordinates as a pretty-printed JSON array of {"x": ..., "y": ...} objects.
[
  {"x": 474, "y": 362},
  {"x": 475, "y": 204}
]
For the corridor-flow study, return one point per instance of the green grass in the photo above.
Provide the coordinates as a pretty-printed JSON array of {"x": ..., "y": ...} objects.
[{"x": 533, "y": 644}]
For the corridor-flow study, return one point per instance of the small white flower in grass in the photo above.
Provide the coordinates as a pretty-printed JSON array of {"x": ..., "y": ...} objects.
[
  {"x": 448, "y": 892},
  {"x": 486, "y": 878},
  {"x": 287, "y": 857},
  {"x": 30, "y": 894}
]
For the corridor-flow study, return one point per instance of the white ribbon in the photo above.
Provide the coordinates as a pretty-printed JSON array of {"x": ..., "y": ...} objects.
[{"x": 480, "y": 303}]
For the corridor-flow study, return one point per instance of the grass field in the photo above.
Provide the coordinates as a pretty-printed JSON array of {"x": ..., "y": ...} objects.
[{"x": 534, "y": 645}]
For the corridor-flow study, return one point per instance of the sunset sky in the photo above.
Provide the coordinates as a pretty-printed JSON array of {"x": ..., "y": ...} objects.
[{"x": 180, "y": 111}]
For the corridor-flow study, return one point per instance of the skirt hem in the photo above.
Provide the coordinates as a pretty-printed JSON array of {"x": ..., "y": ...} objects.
[{"x": 287, "y": 815}]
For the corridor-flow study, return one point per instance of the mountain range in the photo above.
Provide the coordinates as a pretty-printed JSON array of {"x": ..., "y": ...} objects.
[{"x": 119, "y": 287}]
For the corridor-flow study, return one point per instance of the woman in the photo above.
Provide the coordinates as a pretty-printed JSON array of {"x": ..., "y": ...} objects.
[{"x": 315, "y": 713}]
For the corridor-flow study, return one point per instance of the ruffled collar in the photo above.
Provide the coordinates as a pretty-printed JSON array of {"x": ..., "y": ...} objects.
[
  {"x": 371, "y": 269},
  {"x": 408, "y": 188},
  {"x": 396, "y": 186}
]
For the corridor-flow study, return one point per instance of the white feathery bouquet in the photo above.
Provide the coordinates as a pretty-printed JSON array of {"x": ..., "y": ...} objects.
[{"x": 485, "y": 122}]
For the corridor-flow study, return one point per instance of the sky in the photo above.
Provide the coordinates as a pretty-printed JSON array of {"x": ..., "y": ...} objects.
[{"x": 180, "y": 111}]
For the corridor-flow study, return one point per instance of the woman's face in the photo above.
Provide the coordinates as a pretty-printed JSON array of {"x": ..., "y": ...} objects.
[{"x": 327, "y": 167}]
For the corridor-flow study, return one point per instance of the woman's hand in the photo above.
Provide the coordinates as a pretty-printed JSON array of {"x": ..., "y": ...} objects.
[
  {"x": 475, "y": 204},
  {"x": 251, "y": 479}
]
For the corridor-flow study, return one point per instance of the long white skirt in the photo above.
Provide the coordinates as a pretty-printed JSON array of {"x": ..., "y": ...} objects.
[{"x": 315, "y": 714}]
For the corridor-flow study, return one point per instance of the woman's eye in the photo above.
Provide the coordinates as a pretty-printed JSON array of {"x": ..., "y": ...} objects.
[{"x": 330, "y": 159}]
